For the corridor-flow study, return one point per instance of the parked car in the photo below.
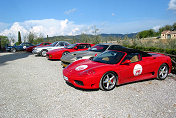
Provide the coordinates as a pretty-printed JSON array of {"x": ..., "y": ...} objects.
[
  {"x": 58, "y": 53},
  {"x": 43, "y": 50},
  {"x": 93, "y": 51},
  {"x": 113, "y": 67},
  {"x": 20, "y": 47},
  {"x": 30, "y": 48}
]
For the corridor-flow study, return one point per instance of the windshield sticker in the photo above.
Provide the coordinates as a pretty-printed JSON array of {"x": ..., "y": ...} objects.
[
  {"x": 82, "y": 67},
  {"x": 137, "y": 70}
]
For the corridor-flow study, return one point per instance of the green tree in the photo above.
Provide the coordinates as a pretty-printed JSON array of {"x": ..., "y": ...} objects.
[
  {"x": 31, "y": 37},
  {"x": 174, "y": 26},
  {"x": 85, "y": 38},
  {"x": 146, "y": 33},
  {"x": 19, "y": 37},
  {"x": 96, "y": 36},
  {"x": 168, "y": 27},
  {"x": 3, "y": 41}
]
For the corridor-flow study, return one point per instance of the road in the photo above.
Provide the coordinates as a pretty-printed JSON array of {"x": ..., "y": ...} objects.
[{"x": 34, "y": 87}]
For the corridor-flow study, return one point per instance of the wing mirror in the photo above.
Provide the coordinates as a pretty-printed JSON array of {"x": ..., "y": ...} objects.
[
  {"x": 75, "y": 48},
  {"x": 126, "y": 62}
]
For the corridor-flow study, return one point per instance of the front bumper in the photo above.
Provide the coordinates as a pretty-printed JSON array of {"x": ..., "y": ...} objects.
[
  {"x": 8, "y": 49},
  {"x": 36, "y": 52},
  {"x": 89, "y": 82},
  {"x": 65, "y": 64}
]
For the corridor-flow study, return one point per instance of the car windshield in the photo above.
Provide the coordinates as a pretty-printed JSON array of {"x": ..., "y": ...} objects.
[
  {"x": 53, "y": 44},
  {"x": 21, "y": 44},
  {"x": 98, "y": 48},
  {"x": 109, "y": 57},
  {"x": 71, "y": 46}
]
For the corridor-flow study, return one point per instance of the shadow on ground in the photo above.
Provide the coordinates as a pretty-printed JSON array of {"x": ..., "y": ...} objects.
[
  {"x": 7, "y": 56},
  {"x": 89, "y": 90}
]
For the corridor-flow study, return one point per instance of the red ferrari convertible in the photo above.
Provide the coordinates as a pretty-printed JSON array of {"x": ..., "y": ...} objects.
[
  {"x": 58, "y": 53},
  {"x": 29, "y": 49},
  {"x": 113, "y": 67}
]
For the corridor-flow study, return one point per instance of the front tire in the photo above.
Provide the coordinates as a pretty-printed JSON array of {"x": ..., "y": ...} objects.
[
  {"x": 43, "y": 53},
  {"x": 162, "y": 72},
  {"x": 108, "y": 81},
  {"x": 13, "y": 50}
]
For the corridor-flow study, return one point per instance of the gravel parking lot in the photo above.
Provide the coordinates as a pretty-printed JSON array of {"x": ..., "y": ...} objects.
[{"x": 34, "y": 87}]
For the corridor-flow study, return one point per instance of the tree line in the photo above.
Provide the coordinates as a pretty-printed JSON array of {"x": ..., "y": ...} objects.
[{"x": 153, "y": 33}]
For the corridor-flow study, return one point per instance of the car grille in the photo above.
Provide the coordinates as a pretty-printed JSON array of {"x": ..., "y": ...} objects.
[{"x": 79, "y": 82}]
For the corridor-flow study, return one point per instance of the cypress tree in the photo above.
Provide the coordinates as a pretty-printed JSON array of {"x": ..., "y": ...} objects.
[{"x": 19, "y": 37}]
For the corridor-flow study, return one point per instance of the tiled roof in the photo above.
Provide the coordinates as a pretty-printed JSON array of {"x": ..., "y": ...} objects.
[
  {"x": 168, "y": 32},
  {"x": 173, "y": 32}
]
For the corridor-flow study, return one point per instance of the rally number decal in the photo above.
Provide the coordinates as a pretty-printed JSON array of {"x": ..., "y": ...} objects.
[
  {"x": 82, "y": 67},
  {"x": 137, "y": 70}
]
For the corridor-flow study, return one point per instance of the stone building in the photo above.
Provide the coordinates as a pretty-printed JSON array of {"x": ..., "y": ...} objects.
[{"x": 168, "y": 35}]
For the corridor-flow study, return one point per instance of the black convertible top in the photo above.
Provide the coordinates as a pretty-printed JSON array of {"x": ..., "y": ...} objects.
[{"x": 129, "y": 50}]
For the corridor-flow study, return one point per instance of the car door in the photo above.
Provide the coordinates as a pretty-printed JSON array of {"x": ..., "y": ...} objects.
[
  {"x": 137, "y": 70},
  {"x": 82, "y": 47},
  {"x": 130, "y": 72}
]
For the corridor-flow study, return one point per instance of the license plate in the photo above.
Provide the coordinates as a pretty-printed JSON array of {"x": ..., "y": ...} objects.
[{"x": 65, "y": 78}]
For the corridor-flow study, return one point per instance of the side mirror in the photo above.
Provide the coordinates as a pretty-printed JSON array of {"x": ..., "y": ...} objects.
[
  {"x": 75, "y": 48},
  {"x": 126, "y": 62}
]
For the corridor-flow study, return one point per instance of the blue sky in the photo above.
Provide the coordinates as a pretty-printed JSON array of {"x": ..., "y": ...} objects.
[{"x": 110, "y": 16}]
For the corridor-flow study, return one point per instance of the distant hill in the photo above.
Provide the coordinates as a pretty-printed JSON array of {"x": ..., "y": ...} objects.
[{"x": 131, "y": 35}]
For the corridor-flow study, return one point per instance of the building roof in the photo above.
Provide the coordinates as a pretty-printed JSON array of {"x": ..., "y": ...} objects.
[
  {"x": 168, "y": 32},
  {"x": 173, "y": 32}
]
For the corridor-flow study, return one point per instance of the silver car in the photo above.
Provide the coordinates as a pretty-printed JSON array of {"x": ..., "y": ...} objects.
[
  {"x": 43, "y": 50},
  {"x": 92, "y": 52}
]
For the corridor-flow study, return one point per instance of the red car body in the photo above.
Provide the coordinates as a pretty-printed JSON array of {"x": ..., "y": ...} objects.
[
  {"x": 89, "y": 74},
  {"x": 58, "y": 53},
  {"x": 29, "y": 49}
]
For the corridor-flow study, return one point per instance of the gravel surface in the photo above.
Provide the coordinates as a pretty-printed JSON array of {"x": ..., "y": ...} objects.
[{"x": 33, "y": 87}]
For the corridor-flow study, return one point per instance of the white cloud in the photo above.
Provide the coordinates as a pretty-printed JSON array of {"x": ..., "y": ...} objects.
[
  {"x": 3, "y": 26},
  {"x": 50, "y": 27},
  {"x": 172, "y": 5},
  {"x": 70, "y": 11},
  {"x": 156, "y": 28},
  {"x": 113, "y": 14}
]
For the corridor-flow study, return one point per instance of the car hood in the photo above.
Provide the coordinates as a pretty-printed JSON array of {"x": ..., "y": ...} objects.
[
  {"x": 31, "y": 46},
  {"x": 55, "y": 51},
  {"x": 9, "y": 46},
  {"x": 82, "y": 66},
  {"x": 74, "y": 55},
  {"x": 44, "y": 47}
]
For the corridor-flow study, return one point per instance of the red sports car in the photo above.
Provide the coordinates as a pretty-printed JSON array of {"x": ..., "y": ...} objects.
[
  {"x": 113, "y": 67},
  {"x": 58, "y": 53},
  {"x": 29, "y": 49}
]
